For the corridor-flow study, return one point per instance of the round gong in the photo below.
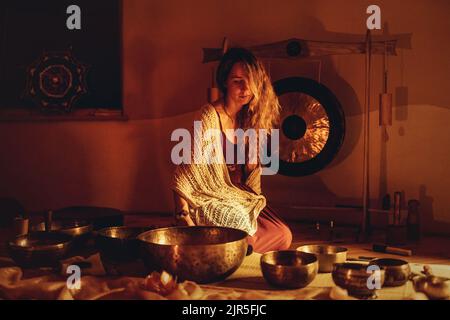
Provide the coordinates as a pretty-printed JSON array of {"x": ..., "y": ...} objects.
[{"x": 312, "y": 126}]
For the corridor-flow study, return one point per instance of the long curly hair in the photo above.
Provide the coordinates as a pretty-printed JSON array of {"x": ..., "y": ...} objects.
[{"x": 263, "y": 111}]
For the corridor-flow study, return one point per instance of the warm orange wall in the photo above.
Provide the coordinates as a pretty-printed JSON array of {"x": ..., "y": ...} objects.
[{"x": 127, "y": 164}]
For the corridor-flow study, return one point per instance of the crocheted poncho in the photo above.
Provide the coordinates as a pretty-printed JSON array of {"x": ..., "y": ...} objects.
[{"x": 205, "y": 183}]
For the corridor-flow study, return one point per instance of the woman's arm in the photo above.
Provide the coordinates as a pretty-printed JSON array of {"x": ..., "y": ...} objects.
[
  {"x": 182, "y": 211},
  {"x": 253, "y": 180}
]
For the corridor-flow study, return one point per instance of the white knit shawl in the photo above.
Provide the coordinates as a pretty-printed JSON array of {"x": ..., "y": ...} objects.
[{"x": 206, "y": 185}]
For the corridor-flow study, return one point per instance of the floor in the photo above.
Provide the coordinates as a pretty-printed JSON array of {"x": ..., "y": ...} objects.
[{"x": 429, "y": 250}]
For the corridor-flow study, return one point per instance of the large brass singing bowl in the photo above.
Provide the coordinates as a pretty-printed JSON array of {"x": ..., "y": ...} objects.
[{"x": 202, "y": 254}]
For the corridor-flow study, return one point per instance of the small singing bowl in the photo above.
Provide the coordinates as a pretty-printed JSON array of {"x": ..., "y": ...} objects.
[
  {"x": 119, "y": 243},
  {"x": 327, "y": 255},
  {"x": 39, "y": 249},
  {"x": 289, "y": 268},
  {"x": 397, "y": 271},
  {"x": 358, "y": 279}
]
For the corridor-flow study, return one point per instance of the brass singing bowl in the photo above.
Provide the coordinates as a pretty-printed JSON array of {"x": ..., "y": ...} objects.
[
  {"x": 289, "y": 268},
  {"x": 119, "y": 243},
  {"x": 74, "y": 228},
  {"x": 39, "y": 249},
  {"x": 202, "y": 254},
  {"x": 397, "y": 271},
  {"x": 327, "y": 255},
  {"x": 357, "y": 279},
  {"x": 434, "y": 287}
]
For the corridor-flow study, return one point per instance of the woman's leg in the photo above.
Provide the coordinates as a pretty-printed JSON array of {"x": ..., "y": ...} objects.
[{"x": 272, "y": 233}]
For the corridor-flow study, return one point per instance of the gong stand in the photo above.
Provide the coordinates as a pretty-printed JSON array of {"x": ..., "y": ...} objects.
[
  {"x": 297, "y": 49},
  {"x": 365, "y": 222}
]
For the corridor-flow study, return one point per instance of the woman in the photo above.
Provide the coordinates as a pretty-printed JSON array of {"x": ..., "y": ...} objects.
[{"x": 224, "y": 193}]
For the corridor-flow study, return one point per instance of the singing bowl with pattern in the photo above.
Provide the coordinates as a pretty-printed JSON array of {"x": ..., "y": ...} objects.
[{"x": 203, "y": 254}]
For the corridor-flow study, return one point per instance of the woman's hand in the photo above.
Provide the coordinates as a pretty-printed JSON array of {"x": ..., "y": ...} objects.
[{"x": 184, "y": 219}]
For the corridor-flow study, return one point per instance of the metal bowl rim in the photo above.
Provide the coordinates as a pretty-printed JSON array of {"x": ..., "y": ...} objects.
[
  {"x": 12, "y": 244},
  {"x": 344, "y": 250},
  {"x": 403, "y": 264},
  {"x": 102, "y": 232},
  {"x": 140, "y": 236},
  {"x": 362, "y": 266},
  {"x": 315, "y": 260},
  {"x": 84, "y": 224}
]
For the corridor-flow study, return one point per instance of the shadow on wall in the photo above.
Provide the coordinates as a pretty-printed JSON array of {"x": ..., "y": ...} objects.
[
  {"x": 140, "y": 72},
  {"x": 148, "y": 179},
  {"x": 54, "y": 173},
  {"x": 352, "y": 106},
  {"x": 67, "y": 170},
  {"x": 308, "y": 191},
  {"x": 159, "y": 82},
  {"x": 429, "y": 221},
  {"x": 154, "y": 167}
]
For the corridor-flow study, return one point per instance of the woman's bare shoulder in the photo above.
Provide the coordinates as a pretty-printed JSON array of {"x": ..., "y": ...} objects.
[
  {"x": 207, "y": 111},
  {"x": 209, "y": 108},
  {"x": 218, "y": 104}
]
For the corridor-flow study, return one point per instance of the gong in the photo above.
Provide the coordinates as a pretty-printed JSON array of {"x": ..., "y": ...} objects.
[{"x": 312, "y": 126}]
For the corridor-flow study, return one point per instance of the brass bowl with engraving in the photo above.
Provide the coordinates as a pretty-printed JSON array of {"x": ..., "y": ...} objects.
[
  {"x": 203, "y": 254},
  {"x": 358, "y": 279},
  {"x": 327, "y": 255},
  {"x": 289, "y": 268}
]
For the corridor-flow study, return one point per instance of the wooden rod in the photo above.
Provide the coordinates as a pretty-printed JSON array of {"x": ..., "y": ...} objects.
[{"x": 366, "y": 186}]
